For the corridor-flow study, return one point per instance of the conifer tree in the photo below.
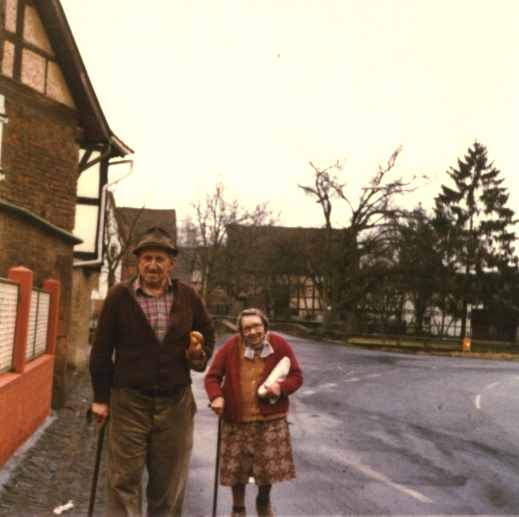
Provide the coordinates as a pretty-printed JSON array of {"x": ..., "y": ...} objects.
[{"x": 480, "y": 223}]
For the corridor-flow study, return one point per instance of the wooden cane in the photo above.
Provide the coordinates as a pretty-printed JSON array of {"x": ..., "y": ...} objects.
[
  {"x": 99, "y": 450},
  {"x": 217, "y": 466}
]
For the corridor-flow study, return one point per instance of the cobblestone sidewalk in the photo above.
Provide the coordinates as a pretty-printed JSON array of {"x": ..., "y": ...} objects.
[{"x": 59, "y": 467}]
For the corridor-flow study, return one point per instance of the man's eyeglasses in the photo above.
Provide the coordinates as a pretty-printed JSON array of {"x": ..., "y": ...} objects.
[{"x": 252, "y": 328}]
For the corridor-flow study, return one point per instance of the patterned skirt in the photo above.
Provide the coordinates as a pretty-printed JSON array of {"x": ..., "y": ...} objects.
[{"x": 258, "y": 449}]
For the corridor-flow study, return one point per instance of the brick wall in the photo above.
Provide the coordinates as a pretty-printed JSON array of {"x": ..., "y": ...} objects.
[
  {"x": 40, "y": 156},
  {"x": 42, "y": 252}
]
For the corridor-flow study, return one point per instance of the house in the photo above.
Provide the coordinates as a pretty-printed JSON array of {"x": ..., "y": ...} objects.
[
  {"x": 187, "y": 266},
  {"x": 114, "y": 243},
  {"x": 270, "y": 267},
  {"x": 52, "y": 132}
]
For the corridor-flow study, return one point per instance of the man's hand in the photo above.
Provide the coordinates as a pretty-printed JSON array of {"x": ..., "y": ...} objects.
[
  {"x": 100, "y": 411},
  {"x": 217, "y": 405},
  {"x": 274, "y": 390},
  {"x": 194, "y": 351}
]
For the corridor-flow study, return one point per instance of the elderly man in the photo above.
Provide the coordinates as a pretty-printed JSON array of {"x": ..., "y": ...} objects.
[
  {"x": 151, "y": 332},
  {"x": 255, "y": 437}
]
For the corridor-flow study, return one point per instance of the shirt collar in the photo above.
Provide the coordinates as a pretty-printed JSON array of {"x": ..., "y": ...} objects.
[
  {"x": 266, "y": 350},
  {"x": 137, "y": 286}
]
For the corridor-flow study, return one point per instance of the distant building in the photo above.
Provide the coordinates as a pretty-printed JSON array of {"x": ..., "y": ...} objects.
[
  {"x": 272, "y": 270},
  {"x": 188, "y": 266},
  {"x": 114, "y": 236}
]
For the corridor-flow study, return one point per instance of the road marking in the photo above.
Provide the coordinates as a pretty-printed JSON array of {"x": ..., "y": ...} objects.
[
  {"x": 367, "y": 376},
  {"x": 368, "y": 471},
  {"x": 477, "y": 400},
  {"x": 328, "y": 385},
  {"x": 351, "y": 459},
  {"x": 493, "y": 385},
  {"x": 310, "y": 391}
]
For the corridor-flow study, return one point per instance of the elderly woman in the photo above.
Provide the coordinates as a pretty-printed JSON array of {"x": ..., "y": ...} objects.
[{"x": 255, "y": 439}]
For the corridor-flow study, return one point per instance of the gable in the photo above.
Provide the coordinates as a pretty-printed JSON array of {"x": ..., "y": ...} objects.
[
  {"x": 141, "y": 219},
  {"x": 27, "y": 55}
]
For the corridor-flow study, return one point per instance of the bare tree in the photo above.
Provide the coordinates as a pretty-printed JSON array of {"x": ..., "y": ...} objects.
[
  {"x": 213, "y": 215},
  {"x": 326, "y": 186},
  {"x": 354, "y": 257},
  {"x": 188, "y": 235}
]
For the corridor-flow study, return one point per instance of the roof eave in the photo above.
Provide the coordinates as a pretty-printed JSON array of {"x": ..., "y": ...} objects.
[{"x": 90, "y": 113}]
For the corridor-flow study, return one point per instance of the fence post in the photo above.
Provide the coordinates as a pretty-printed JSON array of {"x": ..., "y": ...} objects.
[
  {"x": 53, "y": 287},
  {"x": 23, "y": 277}
]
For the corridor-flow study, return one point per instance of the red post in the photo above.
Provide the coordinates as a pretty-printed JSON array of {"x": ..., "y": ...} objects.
[
  {"x": 53, "y": 287},
  {"x": 23, "y": 277}
]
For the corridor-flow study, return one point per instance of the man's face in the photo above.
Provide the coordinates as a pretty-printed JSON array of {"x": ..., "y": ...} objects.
[
  {"x": 155, "y": 267},
  {"x": 253, "y": 331}
]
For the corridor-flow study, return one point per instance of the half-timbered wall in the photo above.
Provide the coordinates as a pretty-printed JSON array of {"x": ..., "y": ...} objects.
[{"x": 27, "y": 55}]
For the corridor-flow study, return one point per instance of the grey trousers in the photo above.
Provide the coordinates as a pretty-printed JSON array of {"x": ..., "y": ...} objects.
[{"x": 151, "y": 432}]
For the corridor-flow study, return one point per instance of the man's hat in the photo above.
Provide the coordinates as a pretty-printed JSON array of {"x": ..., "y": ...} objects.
[{"x": 156, "y": 237}]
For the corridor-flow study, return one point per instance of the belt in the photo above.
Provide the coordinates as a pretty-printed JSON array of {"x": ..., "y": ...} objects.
[{"x": 157, "y": 392}]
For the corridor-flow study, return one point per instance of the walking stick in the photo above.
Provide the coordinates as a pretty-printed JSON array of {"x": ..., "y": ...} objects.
[
  {"x": 217, "y": 466},
  {"x": 99, "y": 450}
]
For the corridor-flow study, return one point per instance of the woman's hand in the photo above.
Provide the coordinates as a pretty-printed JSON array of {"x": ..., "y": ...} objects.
[
  {"x": 217, "y": 405},
  {"x": 274, "y": 390}
]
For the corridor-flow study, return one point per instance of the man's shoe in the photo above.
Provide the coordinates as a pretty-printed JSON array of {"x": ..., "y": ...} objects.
[
  {"x": 264, "y": 508},
  {"x": 238, "y": 511}
]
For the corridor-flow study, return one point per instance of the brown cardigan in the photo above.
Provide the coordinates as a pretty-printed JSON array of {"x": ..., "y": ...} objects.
[{"x": 140, "y": 360}]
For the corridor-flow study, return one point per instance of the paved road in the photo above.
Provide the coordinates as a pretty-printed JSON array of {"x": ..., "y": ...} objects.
[
  {"x": 373, "y": 433},
  {"x": 388, "y": 434}
]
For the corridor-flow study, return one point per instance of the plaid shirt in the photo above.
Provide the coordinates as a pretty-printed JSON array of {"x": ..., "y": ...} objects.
[{"x": 156, "y": 309}]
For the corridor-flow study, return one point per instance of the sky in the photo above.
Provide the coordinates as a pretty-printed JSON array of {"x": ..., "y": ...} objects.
[{"x": 248, "y": 92}]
